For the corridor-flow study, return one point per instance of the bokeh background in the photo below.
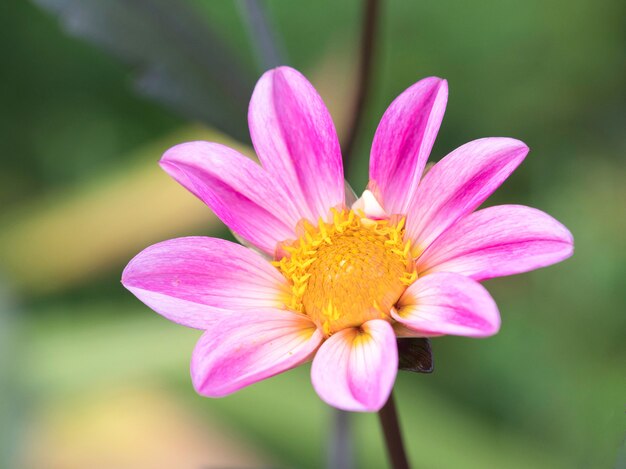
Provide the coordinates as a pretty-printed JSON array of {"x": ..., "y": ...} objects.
[{"x": 93, "y": 92}]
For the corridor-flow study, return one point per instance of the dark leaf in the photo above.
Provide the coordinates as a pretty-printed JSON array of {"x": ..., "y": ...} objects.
[
  {"x": 415, "y": 355},
  {"x": 269, "y": 52},
  {"x": 179, "y": 59}
]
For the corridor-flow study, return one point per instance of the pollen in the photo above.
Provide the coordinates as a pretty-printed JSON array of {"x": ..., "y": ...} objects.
[{"x": 348, "y": 271}]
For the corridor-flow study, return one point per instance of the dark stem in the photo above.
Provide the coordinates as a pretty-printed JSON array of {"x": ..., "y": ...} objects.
[
  {"x": 393, "y": 436},
  {"x": 368, "y": 36}
]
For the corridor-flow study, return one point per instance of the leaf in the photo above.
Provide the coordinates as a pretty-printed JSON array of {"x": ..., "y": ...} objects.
[
  {"x": 179, "y": 59},
  {"x": 269, "y": 52},
  {"x": 415, "y": 354}
]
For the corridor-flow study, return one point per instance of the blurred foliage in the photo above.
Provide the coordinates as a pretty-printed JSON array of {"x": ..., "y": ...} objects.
[
  {"x": 178, "y": 58},
  {"x": 80, "y": 193},
  {"x": 80, "y": 232}
]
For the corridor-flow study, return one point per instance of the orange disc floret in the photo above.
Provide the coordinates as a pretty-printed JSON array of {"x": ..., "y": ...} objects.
[{"x": 348, "y": 271}]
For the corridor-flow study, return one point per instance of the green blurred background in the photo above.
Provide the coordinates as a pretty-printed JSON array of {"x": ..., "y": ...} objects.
[{"x": 93, "y": 92}]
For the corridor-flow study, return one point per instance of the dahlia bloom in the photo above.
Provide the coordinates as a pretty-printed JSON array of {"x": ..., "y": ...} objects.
[{"x": 331, "y": 280}]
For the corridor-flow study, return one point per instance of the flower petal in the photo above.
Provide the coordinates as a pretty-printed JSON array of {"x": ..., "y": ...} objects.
[
  {"x": 238, "y": 190},
  {"x": 355, "y": 368},
  {"x": 240, "y": 351},
  {"x": 195, "y": 281},
  {"x": 445, "y": 303},
  {"x": 370, "y": 207},
  {"x": 498, "y": 241},
  {"x": 403, "y": 332},
  {"x": 296, "y": 141},
  {"x": 403, "y": 141},
  {"x": 458, "y": 184}
]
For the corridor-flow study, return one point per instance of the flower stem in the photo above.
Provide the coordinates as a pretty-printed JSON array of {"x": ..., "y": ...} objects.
[
  {"x": 340, "y": 447},
  {"x": 393, "y": 436},
  {"x": 368, "y": 41}
]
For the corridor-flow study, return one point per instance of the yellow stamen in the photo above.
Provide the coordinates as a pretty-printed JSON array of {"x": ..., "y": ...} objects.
[{"x": 348, "y": 271}]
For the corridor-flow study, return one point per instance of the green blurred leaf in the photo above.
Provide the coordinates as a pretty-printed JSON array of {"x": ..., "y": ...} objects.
[
  {"x": 179, "y": 59},
  {"x": 9, "y": 396}
]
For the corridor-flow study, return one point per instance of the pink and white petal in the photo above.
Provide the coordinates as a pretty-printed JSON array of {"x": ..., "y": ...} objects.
[
  {"x": 241, "y": 350},
  {"x": 295, "y": 138},
  {"x": 446, "y": 303},
  {"x": 355, "y": 369},
  {"x": 237, "y": 189},
  {"x": 370, "y": 207},
  {"x": 403, "y": 141},
  {"x": 458, "y": 184},
  {"x": 402, "y": 331},
  {"x": 196, "y": 281},
  {"x": 498, "y": 241}
]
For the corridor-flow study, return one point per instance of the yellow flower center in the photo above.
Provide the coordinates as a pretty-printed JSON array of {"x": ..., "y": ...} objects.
[{"x": 347, "y": 272}]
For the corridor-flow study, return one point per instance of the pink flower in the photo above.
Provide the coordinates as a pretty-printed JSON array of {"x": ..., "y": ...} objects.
[{"x": 329, "y": 281}]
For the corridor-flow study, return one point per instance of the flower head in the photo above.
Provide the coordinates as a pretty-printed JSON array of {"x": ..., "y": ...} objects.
[{"x": 334, "y": 282}]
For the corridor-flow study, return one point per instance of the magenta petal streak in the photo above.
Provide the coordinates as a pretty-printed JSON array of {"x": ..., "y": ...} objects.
[
  {"x": 498, "y": 241},
  {"x": 240, "y": 351},
  {"x": 403, "y": 141},
  {"x": 295, "y": 139},
  {"x": 196, "y": 281},
  {"x": 355, "y": 370},
  {"x": 458, "y": 184},
  {"x": 444, "y": 303},
  {"x": 238, "y": 190}
]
